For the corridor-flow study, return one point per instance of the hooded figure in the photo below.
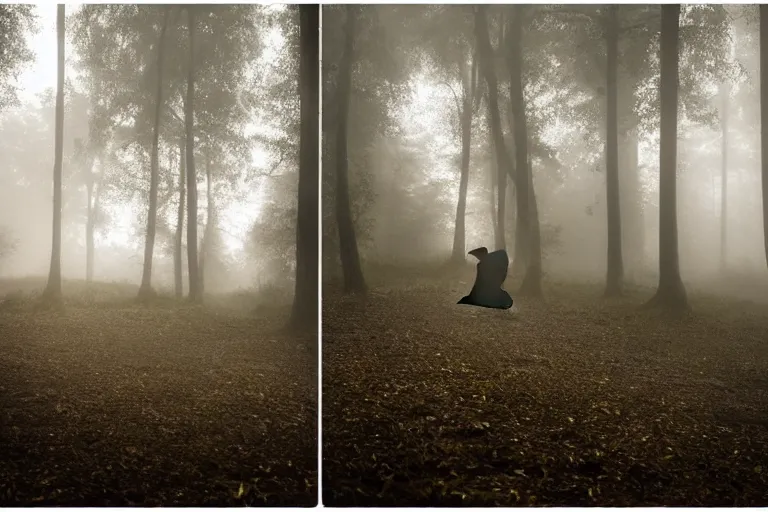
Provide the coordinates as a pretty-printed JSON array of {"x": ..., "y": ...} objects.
[{"x": 491, "y": 273}]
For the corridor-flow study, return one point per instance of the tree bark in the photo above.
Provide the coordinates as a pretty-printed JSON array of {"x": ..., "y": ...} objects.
[
  {"x": 350, "y": 257},
  {"x": 615, "y": 267},
  {"x": 210, "y": 224},
  {"x": 527, "y": 208},
  {"x": 89, "y": 221},
  {"x": 764, "y": 117},
  {"x": 485, "y": 57},
  {"x": 189, "y": 112},
  {"x": 178, "y": 274},
  {"x": 459, "y": 234},
  {"x": 52, "y": 292},
  {"x": 632, "y": 226},
  {"x": 145, "y": 290},
  {"x": 671, "y": 292},
  {"x": 492, "y": 176},
  {"x": 304, "y": 314}
]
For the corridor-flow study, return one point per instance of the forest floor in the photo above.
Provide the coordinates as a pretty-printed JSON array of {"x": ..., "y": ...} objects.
[
  {"x": 106, "y": 402},
  {"x": 572, "y": 401}
]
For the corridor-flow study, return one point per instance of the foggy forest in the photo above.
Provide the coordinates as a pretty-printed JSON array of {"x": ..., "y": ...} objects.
[
  {"x": 614, "y": 152},
  {"x": 158, "y": 254}
]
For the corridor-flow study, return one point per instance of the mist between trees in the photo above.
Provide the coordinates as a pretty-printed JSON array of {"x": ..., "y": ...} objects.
[
  {"x": 130, "y": 145},
  {"x": 614, "y": 152},
  {"x": 439, "y": 105}
]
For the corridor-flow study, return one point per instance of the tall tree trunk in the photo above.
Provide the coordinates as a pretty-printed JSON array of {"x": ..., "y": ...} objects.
[
  {"x": 350, "y": 258},
  {"x": 304, "y": 314},
  {"x": 89, "y": 221},
  {"x": 189, "y": 112},
  {"x": 531, "y": 285},
  {"x": 500, "y": 236},
  {"x": 210, "y": 224},
  {"x": 52, "y": 293},
  {"x": 724, "y": 179},
  {"x": 485, "y": 57},
  {"x": 764, "y": 116},
  {"x": 671, "y": 292},
  {"x": 493, "y": 177},
  {"x": 615, "y": 268},
  {"x": 459, "y": 234},
  {"x": 94, "y": 205},
  {"x": 632, "y": 227},
  {"x": 145, "y": 290},
  {"x": 178, "y": 274}
]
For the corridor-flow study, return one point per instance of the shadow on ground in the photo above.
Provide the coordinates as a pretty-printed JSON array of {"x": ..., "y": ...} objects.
[
  {"x": 574, "y": 401},
  {"x": 170, "y": 405}
]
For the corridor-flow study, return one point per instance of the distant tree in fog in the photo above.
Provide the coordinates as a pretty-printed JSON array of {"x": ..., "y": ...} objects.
[
  {"x": 671, "y": 291},
  {"x": 52, "y": 292},
  {"x": 350, "y": 257},
  {"x": 145, "y": 290}
]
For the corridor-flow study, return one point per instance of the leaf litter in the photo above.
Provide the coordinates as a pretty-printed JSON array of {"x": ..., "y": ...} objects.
[
  {"x": 172, "y": 406},
  {"x": 574, "y": 401}
]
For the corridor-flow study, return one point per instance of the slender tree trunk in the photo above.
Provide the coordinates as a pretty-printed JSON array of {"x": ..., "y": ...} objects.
[
  {"x": 527, "y": 209},
  {"x": 89, "y": 226},
  {"x": 531, "y": 285},
  {"x": 632, "y": 228},
  {"x": 485, "y": 58},
  {"x": 724, "y": 180},
  {"x": 145, "y": 290},
  {"x": 304, "y": 314},
  {"x": 210, "y": 224},
  {"x": 764, "y": 116},
  {"x": 492, "y": 176},
  {"x": 350, "y": 258},
  {"x": 178, "y": 274},
  {"x": 501, "y": 172},
  {"x": 520, "y": 257},
  {"x": 189, "y": 112},
  {"x": 500, "y": 238},
  {"x": 671, "y": 292},
  {"x": 459, "y": 235},
  {"x": 52, "y": 293},
  {"x": 615, "y": 268}
]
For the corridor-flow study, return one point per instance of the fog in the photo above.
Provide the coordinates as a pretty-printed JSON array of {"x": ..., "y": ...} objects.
[
  {"x": 247, "y": 141},
  {"x": 405, "y": 140},
  {"x": 544, "y": 255}
]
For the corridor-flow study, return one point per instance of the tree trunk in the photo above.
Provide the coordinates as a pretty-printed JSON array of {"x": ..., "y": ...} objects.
[
  {"x": 527, "y": 208},
  {"x": 52, "y": 293},
  {"x": 89, "y": 223},
  {"x": 178, "y": 275},
  {"x": 459, "y": 235},
  {"x": 632, "y": 227},
  {"x": 615, "y": 268},
  {"x": 350, "y": 258},
  {"x": 724, "y": 179},
  {"x": 671, "y": 292},
  {"x": 493, "y": 176},
  {"x": 210, "y": 224},
  {"x": 145, "y": 290},
  {"x": 304, "y": 314},
  {"x": 189, "y": 112},
  {"x": 485, "y": 57},
  {"x": 764, "y": 116},
  {"x": 531, "y": 285}
]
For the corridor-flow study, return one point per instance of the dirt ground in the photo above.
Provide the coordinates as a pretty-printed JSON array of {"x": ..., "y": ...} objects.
[
  {"x": 573, "y": 401},
  {"x": 113, "y": 404}
]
